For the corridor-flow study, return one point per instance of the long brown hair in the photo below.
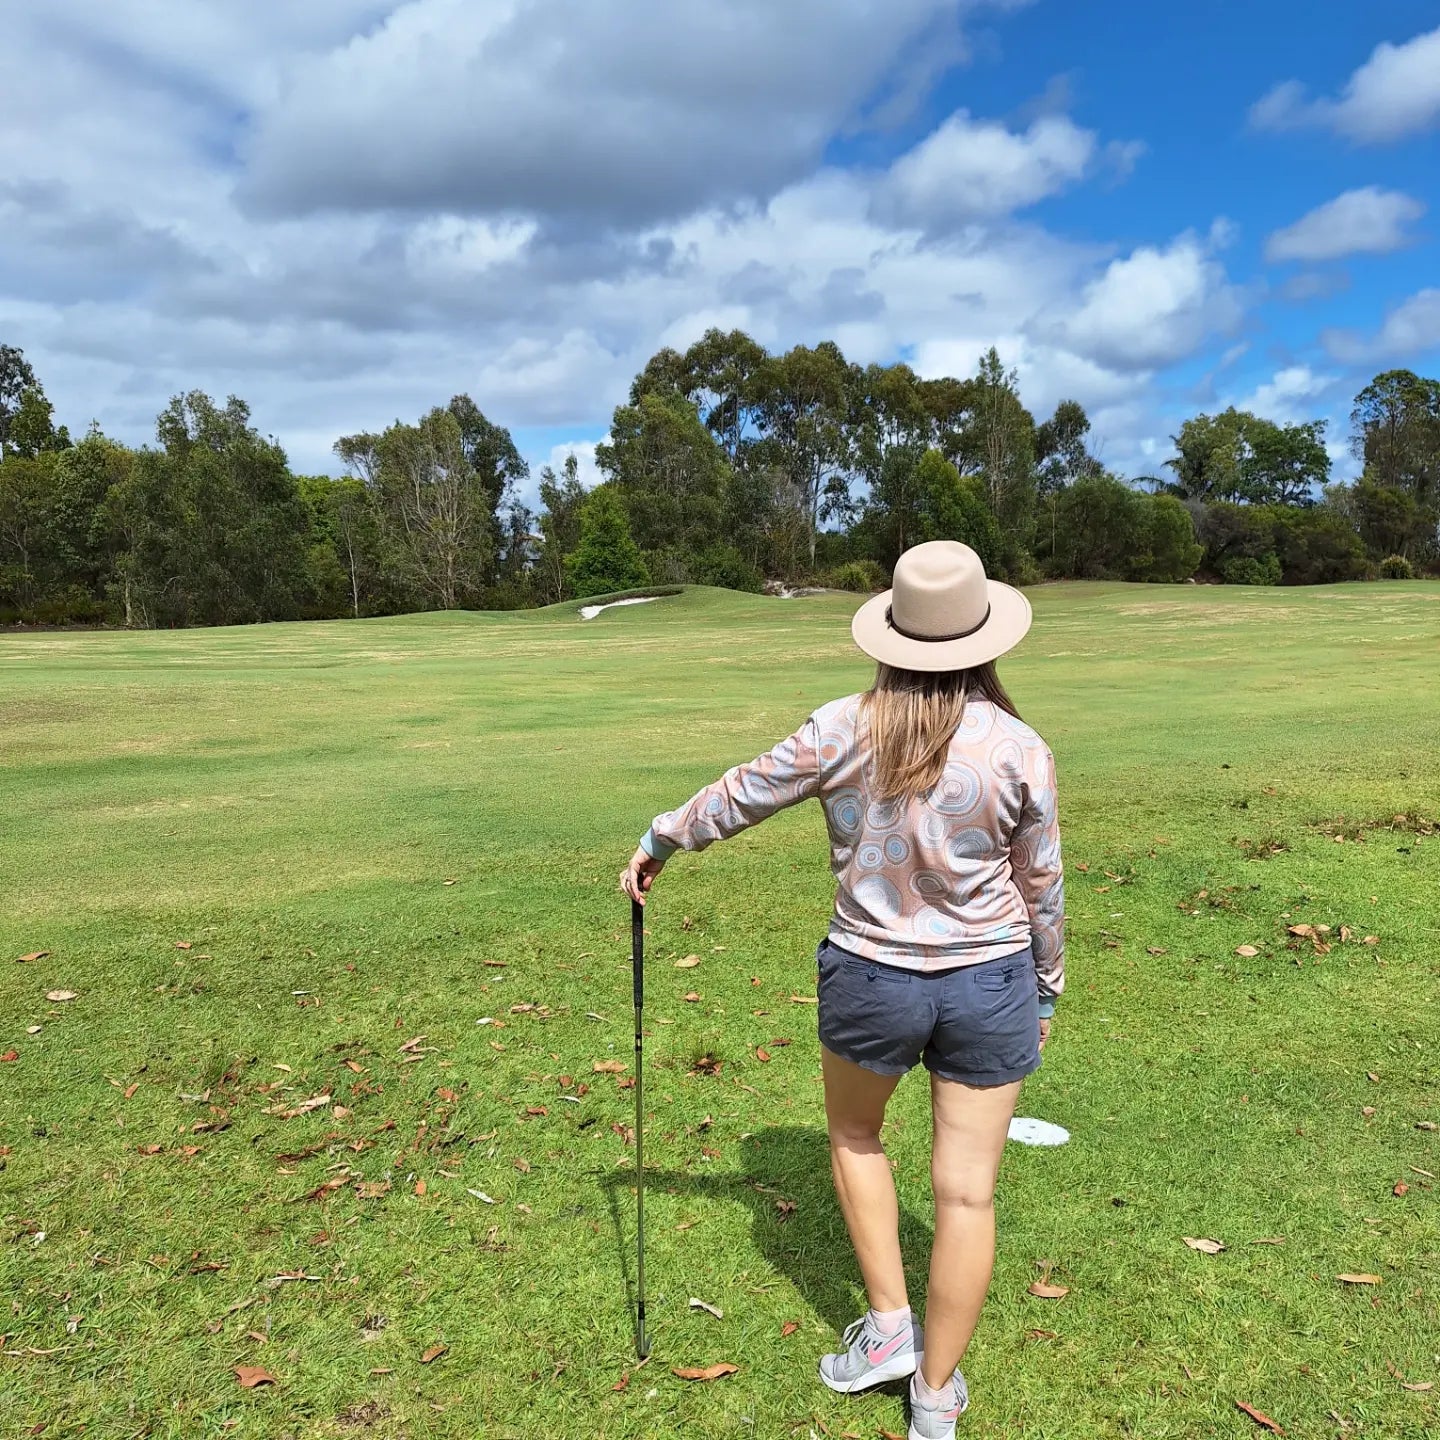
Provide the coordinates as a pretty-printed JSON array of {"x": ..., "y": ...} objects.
[{"x": 912, "y": 716}]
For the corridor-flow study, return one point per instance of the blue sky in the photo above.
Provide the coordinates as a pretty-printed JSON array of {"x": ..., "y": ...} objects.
[{"x": 349, "y": 210}]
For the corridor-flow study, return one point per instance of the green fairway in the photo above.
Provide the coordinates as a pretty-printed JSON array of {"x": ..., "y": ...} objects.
[{"x": 294, "y": 861}]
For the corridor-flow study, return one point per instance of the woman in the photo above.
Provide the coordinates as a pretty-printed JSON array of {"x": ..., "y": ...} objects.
[{"x": 946, "y": 944}]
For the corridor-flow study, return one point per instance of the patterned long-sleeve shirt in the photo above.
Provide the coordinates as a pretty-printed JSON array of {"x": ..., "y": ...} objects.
[{"x": 968, "y": 872}]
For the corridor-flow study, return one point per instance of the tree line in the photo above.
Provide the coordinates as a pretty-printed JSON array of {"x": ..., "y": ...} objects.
[{"x": 726, "y": 465}]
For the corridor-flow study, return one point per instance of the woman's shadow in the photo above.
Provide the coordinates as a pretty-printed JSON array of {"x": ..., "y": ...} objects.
[{"x": 784, "y": 1167}]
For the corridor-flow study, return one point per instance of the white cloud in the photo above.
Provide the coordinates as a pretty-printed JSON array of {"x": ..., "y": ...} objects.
[
  {"x": 1369, "y": 221},
  {"x": 1289, "y": 396},
  {"x": 584, "y": 452},
  {"x": 1410, "y": 329},
  {"x": 1395, "y": 93},
  {"x": 973, "y": 169},
  {"x": 1153, "y": 307}
]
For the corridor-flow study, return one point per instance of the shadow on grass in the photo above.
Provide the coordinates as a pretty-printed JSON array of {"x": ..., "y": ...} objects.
[{"x": 808, "y": 1244}]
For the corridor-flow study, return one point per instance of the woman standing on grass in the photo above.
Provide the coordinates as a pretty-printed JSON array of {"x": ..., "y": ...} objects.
[{"x": 946, "y": 946}]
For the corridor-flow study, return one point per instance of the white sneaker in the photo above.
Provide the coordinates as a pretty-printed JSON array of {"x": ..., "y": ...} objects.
[{"x": 871, "y": 1358}]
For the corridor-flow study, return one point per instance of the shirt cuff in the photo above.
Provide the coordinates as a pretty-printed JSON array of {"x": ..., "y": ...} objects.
[
  {"x": 655, "y": 847},
  {"x": 1047, "y": 1009}
]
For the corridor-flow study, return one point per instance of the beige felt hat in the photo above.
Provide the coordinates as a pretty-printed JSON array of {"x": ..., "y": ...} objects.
[{"x": 942, "y": 613}]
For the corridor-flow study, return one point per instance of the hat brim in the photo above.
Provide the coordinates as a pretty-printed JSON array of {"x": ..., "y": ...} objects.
[{"x": 1004, "y": 628}]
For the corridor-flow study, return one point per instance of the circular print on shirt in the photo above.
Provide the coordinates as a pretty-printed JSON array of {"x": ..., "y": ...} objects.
[
  {"x": 1007, "y": 759},
  {"x": 847, "y": 812},
  {"x": 930, "y": 884},
  {"x": 977, "y": 722},
  {"x": 932, "y": 830},
  {"x": 967, "y": 846},
  {"x": 884, "y": 815},
  {"x": 870, "y": 855},
  {"x": 878, "y": 896},
  {"x": 929, "y": 923},
  {"x": 835, "y": 747},
  {"x": 959, "y": 791},
  {"x": 897, "y": 849}
]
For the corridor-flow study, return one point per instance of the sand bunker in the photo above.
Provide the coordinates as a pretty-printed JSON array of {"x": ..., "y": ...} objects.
[{"x": 589, "y": 612}]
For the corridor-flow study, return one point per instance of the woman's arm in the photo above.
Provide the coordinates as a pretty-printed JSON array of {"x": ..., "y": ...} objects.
[
  {"x": 1035, "y": 862},
  {"x": 741, "y": 797}
]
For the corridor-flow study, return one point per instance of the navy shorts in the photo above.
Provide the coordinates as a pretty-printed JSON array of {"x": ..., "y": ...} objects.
[{"x": 979, "y": 1024}]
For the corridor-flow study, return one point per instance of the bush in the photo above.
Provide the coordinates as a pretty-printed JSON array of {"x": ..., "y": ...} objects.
[
  {"x": 1316, "y": 547},
  {"x": 1396, "y": 567},
  {"x": 724, "y": 565},
  {"x": 864, "y": 577},
  {"x": 1251, "y": 569},
  {"x": 1171, "y": 551},
  {"x": 607, "y": 557}
]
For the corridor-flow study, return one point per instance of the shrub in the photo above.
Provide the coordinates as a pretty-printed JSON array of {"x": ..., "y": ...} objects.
[
  {"x": 1251, "y": 569},
  {"x": 724, "y": 565},
  {"x": 1316, "y": 546},
  {"x": 864, "y": 577},
  {"x": 1396, "y": 567},
  {"x": 607, "y": 557}
]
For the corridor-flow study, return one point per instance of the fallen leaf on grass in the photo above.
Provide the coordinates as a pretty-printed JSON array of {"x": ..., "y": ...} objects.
[
  {"x": 59, "y": 995},
  {"x": 1043, "y": 1290},
  {"x": 789, "y": 1328},
  {"x": 131, "y": 1089},
  {"x": 761, "y": 1054},
  {"x": 1259, "y": 1417},
  {"x": 785, "y": 1209},
  {"x": 523, "y": 1166},
  {"x": 1358, "y": 1279},
  {"x": 1156, "y": 950},
  {"x": 432, "y": 1353},
  {"x": 325, "y": 1191},
  {"x": 8, "y": 1056},
  {"x": 622, "y": 1382},
  {"x": 690, "y": 997},
  {"x": 890, "y": 1435},
  {"x": 707, "y": 1064},
  {"x": 709, "y": 1309},
  {"x": 250, "y": 1376},
  {"x": 1210, "y": 1247},
  {"x": 33, "y": 955},
  {"x": 1418, "y": 1385},
  {"x": 1367, "y": 1111},
  {"x": 420, "y": 1187},
  {"x": 447, "y": 1095},
  {"x": 1401, "y": 1188},
  {"x": 373, "y": 1189},
  {"x": 804, "y": 999},
  {"x": 1372, "y": 1077},
  {"x": 1248, "y": 951},
  {"x": 1426, "y": 1125},
  {"x": 480, "y": 1195},
  {"x": 711, "y": 1372},
  {"x": 625, "y": 1132},
  {"x": 304, "y": 1107},
  {"x": 183, "y": 944},
  {"x": 689, "y": 962},
  {"x": 148, "y": 1149},
  {"x": 413, "y": 1042},
  {"x": 608, "y": 1067},
  {"x": 1041, "y": 1335}
]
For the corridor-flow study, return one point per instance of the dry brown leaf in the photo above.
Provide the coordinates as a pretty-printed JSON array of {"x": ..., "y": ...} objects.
[
  {"x": 1259, "y": 1417},
  {"x": 61, "y": 995},
  {"x": 131, "y": 1088},
  {"x": 522, "y": 1165},
  {"x": 1041, "y": 1335},
  {"x": 622, "y": 1382},
  {"x": 1372, "y": 1077},
  {"x": 1401, "y": 1188},
  {"x": 183, "y": 944},
  {"x": 432, "y": 1353},
  {"x": 325, "y": 1191},
  {"x": 1269, "y": 1240},
  {"x": 373, "y": 1189},
  {"x": 1043, "y": 1290},
  {"x": 785, "y": 1209},
  {"x": 1156, "y": 950},
  {"x": 1426, "y": 1125},
  {"x": 688, "y": 962},
  {"x": 1371, "y": 940},
  {"x": 250, "y": 1376},
  {"x": 1306, "y": 932},
  {"x": 625, "y": 1132},
  {"x": 1419, "y": 1385},
  {"x": 804, "y": 999},
  {"x": 447, "y": 1095},
  {"x": 8, "y": 1056},
  {"x": 708, "y": 1308},
  {"x": 789, "y": 1328},
  {"x": 1210, "y": 1247},
  {"x": 419, "y": 1187},
  {"x": 148, "y": 1149},
  {"x": 608, "y": 1067},
  {"x": 710, "y": 1372},
  {"x": 1367, "y": 1111},
  {"x": 707, "y": 1065},
  {"x": 1358, "y": 1279},
  {"x": 761, "y": 1054},
  {"x": 536, "y": 1110},
  {"x": 306, "y": 1106},
  {"x": 690, "y": 997},
  {"x": 412, "y": 1042},
  {"x": 33, "y": 955},
  {"x": 1248, "y": 951}
]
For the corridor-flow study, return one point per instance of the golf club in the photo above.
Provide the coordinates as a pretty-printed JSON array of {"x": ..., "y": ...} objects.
[{"x": 637, "y": 965}]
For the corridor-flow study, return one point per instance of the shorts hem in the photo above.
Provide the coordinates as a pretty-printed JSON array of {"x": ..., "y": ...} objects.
[
  {"x": 985, "y": 1077},
  {"x": 890, "y": 1072}
]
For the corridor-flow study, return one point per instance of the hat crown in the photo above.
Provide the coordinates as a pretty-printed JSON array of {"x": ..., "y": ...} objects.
[{"x": 940, "y": 591}]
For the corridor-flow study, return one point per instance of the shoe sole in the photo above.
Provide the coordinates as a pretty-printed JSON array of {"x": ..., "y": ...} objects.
[{"x": 899, "y": 1368}]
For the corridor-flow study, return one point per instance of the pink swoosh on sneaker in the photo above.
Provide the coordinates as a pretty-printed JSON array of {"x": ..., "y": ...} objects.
[{"x": 882, "y": 1353}]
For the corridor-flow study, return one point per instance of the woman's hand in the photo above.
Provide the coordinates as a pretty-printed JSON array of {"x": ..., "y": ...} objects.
[
  {"x": 639, "y": 875},
  {"x": 1044, "y": 1031}
]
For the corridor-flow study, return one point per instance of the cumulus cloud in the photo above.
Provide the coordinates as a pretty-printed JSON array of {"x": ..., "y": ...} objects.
[
  {"x": 1289, "y": 396},
  {"x": 1409, "y": 329},
  {"x": 1395, "y": 93},
  {"x": 1153, "y": 306},
  {"x": 1369, "y": 221},
  {"x": 621, "y": 111}
]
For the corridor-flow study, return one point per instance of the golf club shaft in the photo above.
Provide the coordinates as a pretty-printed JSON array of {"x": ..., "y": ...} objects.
[{"x": 637, "y": 961}]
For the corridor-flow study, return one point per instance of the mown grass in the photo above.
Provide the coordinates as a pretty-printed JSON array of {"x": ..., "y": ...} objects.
[{"x": 293, "y": 802}]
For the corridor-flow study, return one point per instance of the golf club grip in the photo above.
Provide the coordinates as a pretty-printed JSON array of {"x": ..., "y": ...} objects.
[{"x": 637, "y": 951}]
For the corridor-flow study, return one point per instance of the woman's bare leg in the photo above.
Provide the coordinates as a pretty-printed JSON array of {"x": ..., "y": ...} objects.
[
  {"x": 970, "y": 1126},
  {"x": 855, "y": 1100}
]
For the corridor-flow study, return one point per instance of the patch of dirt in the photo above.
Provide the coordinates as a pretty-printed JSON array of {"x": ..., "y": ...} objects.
[
  {"x": 1265, "y": 848},
  {"x": 362, "y": 1417},
  {"x": 1413, "y": 823}
]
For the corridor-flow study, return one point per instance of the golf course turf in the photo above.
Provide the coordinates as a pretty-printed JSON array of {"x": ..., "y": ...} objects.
[{"x": 287, "y": 862}]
